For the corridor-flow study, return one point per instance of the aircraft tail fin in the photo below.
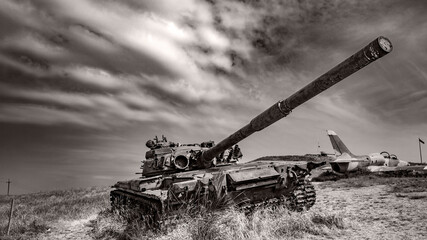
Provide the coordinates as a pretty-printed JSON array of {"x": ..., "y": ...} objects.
[{"x": 338, "y": 145}]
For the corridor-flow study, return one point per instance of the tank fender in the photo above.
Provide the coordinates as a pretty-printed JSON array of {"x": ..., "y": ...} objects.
[
  {"x": 218, "y": 184},
  {"x": 204, "y": 178},
  {"x": 157, "y": 194},
  {"x": 122, "y": 184},
  {"x": 185, "y": 186},
  {"x": 193, "y": 185},
  {"x": 203, "y": 183},
  {"x": 179, "y": 191},
  {"x": 151, "y": 183}
]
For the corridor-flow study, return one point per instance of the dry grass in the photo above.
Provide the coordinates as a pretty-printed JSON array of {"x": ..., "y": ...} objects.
[
  {"x": 358, "y": 207},
  {"x": 407, "y": 185},
  {"x": 264, "y": 223},
  {"x": 36, "y": 213}
]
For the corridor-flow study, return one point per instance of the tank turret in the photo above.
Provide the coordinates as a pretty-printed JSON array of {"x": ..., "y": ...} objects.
[{"x": 176, "y": 174}]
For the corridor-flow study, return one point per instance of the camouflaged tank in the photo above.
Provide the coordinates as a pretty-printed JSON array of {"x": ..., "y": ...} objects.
[{"x": 175, "y": 176}]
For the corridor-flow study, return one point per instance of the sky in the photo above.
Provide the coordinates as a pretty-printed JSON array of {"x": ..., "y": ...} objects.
[{"x": 84, "y": 83}]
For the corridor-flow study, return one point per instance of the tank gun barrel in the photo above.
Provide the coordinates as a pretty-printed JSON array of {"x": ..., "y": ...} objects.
[{"x": 373, "y": 51}]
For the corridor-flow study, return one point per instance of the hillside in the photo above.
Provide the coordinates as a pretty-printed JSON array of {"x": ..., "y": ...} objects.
[
  {"x": 306, "y": 157},
  {"x": 359, "y": 207}
]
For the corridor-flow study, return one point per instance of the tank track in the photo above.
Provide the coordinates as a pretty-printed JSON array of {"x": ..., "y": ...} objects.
[
  {"x": 303, "y": 197},
  {"x": 132, "y": 206}
]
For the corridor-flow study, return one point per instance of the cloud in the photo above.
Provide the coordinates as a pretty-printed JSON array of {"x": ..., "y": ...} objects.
[
  {"x": 96, "y": 63},
  {"x": 76, "y": 75},
  {"x": 143, "y": 61},
  {"x": 94, "y": 76},
  {"x": 17, "y": 113}
]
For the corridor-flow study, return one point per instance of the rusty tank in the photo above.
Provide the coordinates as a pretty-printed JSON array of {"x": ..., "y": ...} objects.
[{"x": 175, "y": 176}]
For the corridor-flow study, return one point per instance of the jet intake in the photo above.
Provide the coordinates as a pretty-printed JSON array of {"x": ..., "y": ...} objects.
[{"x": 336, "y": 167}]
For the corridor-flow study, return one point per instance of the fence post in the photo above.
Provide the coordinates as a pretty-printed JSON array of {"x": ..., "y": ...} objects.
[{"x": 10, "y": 217}]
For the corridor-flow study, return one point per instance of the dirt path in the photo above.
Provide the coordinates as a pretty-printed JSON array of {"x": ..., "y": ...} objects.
[
  {"x": 374, "y": 213},
  {"x": 76, "y": 230}
]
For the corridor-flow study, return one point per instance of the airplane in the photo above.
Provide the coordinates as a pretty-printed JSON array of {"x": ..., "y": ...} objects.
[{"x": 346, "y": 161}]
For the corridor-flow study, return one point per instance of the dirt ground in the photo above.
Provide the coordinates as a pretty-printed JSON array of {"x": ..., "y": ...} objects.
[
  {"x": 370, "y": 212},
  {"x": 374, "y": 213},
  {"x": 76, "y": 229}
]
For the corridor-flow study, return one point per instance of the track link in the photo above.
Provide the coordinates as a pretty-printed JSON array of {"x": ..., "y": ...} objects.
[
  {"x": 303, "y": 197},
  {"x": 133, "y": 207}
]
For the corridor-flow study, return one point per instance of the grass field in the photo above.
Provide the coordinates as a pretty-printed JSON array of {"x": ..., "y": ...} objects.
[
  {"x": 264, "y": 223},
  {"x": 358, "y": 207},
  {"x": 37, "y": 213}
]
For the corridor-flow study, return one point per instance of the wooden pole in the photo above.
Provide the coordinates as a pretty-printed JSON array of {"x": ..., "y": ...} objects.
[
  {"x": 8, "y": 186},
  {"x": 10, "y": 217}
]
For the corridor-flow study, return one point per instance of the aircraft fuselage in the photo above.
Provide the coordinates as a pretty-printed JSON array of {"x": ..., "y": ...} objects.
[{"x": 348, "y": 162}]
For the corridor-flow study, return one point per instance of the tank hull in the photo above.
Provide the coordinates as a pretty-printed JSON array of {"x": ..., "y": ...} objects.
[{"x": 243, "y": 185}]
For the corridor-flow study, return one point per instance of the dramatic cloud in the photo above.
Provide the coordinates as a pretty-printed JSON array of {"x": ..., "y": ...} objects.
[
  {"x": 188, "y": 55},
  {"x": 195, "y": 70}
]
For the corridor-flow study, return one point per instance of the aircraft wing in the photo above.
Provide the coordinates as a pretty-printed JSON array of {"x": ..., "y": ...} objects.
[
  {"x": 381, "y": 169},
  {"x": 413, "y": 168},
  {"x": 347, "y": 160},
  {"x": 395, "y": 169}
]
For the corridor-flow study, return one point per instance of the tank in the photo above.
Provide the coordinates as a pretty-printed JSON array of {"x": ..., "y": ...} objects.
[{"x": 175, "y": 176}]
